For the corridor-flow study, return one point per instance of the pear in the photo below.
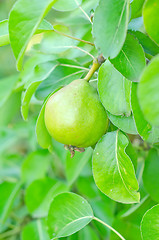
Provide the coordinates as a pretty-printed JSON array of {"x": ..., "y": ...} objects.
[{"x": 75, "y": 116}]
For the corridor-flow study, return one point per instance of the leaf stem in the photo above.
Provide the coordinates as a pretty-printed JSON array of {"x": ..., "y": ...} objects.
[
  {"x": 66, "y": 35},
  {"x": 86, "y": 15},
  {"x": 96, "y": 64},
  {"x": 112, "y": 229}
]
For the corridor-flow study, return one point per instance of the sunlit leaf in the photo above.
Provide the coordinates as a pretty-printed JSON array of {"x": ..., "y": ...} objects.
[
  {"x": 25, "y": 17},
  {"x": 113, "y": 170},
  {"x": 110, "y": 26},
  {"x": 114, "y": 90},
  {"x": 149, "y": 224},
  {"x": 151, "y": 19},
  {"x": 75, "y": 211}
]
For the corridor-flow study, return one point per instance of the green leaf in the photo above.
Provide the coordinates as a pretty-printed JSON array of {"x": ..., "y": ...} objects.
[
  {"x": 109, "y": 35},
  {"x": 35, "y": 166},
  {"x": 131, "y": 59},
  {"x": 151, "y": 173},
  {"x": 35, "y": 230},
  {"x": 7, "y": 85},
  {"x": 54, "y": 43},
  {"x": 148, "y": 92},
  {"x": 87, "y": 233},
  {"x": 126, "y": 124},
  {"x": 68, "y": 214},
  {"x": 61, "y": 76},
  {"x": 8, "y": 193},
  {"x": 151, "y": 19},
  {"x": 136, "y": 8},
  {"x": 43, "y": 137},
  {"x": 113, "y": 170},
  {"x": 4, "y": 36},
  {"x": 114, "y": 90},
  {"x": 68, "y": 5},
  {"x": 25, "y": 17},
  {"x": 135, "y": 213},
  {"x": 150, "y": 223},
  {"x": 129, "y": 230},
  {"x": 40, "y": 193},
  {"x": 146, "y": 131},
  {"x": 40, "y": 72},
  {"x": 75, "y": 165},
  {"x": 148, "y": 45}
]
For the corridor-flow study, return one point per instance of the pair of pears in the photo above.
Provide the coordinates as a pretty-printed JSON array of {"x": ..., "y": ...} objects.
[{"x": 75, "y": 116}]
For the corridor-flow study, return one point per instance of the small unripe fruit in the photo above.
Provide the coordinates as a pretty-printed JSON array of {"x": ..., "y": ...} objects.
[{"x": 75, "y": 116}]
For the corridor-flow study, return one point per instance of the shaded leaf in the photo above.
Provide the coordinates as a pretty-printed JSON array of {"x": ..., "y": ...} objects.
[
  {"x": 149, "y": 46},
  {"x": 8, "y": 193},
  {"x": 35, "y": 166},
  {"x": 149, "y": 224},
  {"x": 40, "y": 193},
  {"x": 35, "y": 230},
  {"x": 40, "y": 72},
  {"x": 151, "y": 173},
  {"x": 114, "y": 90},
  {"x": 75, "y": 165},
  {"x": 126, "y": 124},
  {"x": 131, "y": 59}
]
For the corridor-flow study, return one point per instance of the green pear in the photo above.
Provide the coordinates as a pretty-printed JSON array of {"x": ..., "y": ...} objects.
[{"x": 75, "y": 116}]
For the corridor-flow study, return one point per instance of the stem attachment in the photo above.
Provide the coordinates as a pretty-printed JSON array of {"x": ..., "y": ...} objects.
[
  {"x": 112, "y": 229},
  {"x": 96, "y": 64}
]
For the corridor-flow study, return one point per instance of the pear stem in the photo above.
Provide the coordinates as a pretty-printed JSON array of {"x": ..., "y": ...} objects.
[{"x": 96, "y": 64}]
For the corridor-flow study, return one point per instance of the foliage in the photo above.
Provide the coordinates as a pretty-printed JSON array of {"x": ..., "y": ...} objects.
[{"x": 110, "y": 191}]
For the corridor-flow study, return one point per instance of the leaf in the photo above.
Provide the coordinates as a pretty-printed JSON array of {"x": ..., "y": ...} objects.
[
  {"x": 114, "y": 90},
  {"x": 43, "y": 137},
  {"x": 135, "y": 213},
  {"x": 109, "y": 35},
  {"x": 151, "y": 19},
  {"x": 25, "y": 17},
  {"x": 35, "y": 230},
  {"x": 129, "y": 230},
  {"x": 150, "y": 174},
  {"x": 146, "y": 131},
  {"x": 148, "y": 92},
  {"x": 54, "y": 43},
  {"x": 40, "y": 193},
  {"x": 75, "y": 211},
  {"x": 70, "y": 5},
  {"x": 113, "y": 170},
  {"x": 149, "y": 224},
  {"x": 126, "y": 124},
  {"x": 87, "y": 233},
  {"x": 40, "y": 72},
  {"x": 4, "y": 37},
  {"x": 7, "y": 85},
  {"x": 148, "y": 45},
  {"x": 8, "y": 193},
  {"x": 136, "y": 8},
  {"x": 61, "y": 76},
  {"x": 35, "y": 166},
  {"x": 75, "y": 165},
  {"x": 131, "y": 59}
]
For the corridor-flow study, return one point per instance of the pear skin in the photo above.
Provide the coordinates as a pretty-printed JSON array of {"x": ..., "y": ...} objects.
[{"x": 75, "y": 116}]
